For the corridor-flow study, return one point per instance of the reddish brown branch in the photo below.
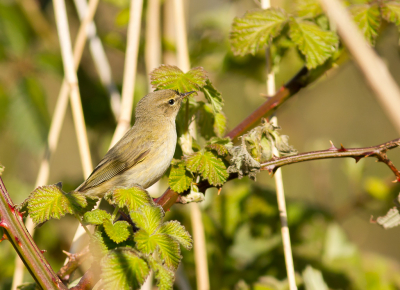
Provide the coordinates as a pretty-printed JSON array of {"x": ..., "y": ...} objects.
[{"x": 74, "y": 261}]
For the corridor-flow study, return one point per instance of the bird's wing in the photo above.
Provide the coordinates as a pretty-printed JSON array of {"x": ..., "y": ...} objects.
[{"x": 120, "y": 158}]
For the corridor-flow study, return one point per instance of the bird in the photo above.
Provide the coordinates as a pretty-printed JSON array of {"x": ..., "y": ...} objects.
[{"x": 144, "y": 153}]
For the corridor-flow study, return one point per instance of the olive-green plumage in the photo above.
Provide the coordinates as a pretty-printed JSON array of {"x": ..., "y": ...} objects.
[{"x": 145, "y": 152}]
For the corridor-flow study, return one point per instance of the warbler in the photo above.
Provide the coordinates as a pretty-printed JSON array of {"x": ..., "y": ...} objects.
[{"x": 145, "y": 152}]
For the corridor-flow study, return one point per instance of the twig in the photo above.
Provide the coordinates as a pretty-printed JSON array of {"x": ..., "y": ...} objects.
[
  {"x": 74, "y": 261},
  {"x": 371, "y": 65},
  {"x": 128, "y": 86},
  {"x": 99, "y": 58},
  {"x": 11, "y": 221}
]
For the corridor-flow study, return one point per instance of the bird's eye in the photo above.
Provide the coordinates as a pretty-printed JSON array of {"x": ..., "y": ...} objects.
[{"x": 171, "y": 102}]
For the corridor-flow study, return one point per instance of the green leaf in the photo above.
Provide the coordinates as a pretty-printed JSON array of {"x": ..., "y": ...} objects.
[
  {"x": 96, "y": 217},
  {"x": 390, "y": 220},
  {"x": 123, "y": 269},
  {"x": 368, "y": 19},
  {"x": 149, "y": 217},
  {"x": 213, "y": 96},
  {"x": 219, "y": 124},
  {"x": 316, "y": 44},
  {"x": 118, "y": 232},
  {"x": 308, "y": 8},
  {"x": 29, "y": 286},
  {"x": 205, "y": 120},
  {"x": 133, "y": 198},
  {"x": 179, "y": 178},
  {"x": 50, "y": 201},
  {"x": 165, "y": 277},
  {"x": 391, "y": 12},
  {"x": 313, "y": 279},
  {"x": 171, "y": 77},
  {"x": 169, "y": 250},
  {"x": 145, "y": 241},
  {"x": 255, "y": 29},
  {"x": 220, "y": 145},
  {"x": 209, "y": 166},
  {"x": 178, "y": 232}
]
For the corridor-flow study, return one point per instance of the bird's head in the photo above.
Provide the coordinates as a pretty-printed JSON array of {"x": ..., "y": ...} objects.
[{"x": 163, "y": 103}]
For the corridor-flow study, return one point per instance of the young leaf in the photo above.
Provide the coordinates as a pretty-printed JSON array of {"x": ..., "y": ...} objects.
[
  {"x": 96, "y": 217},
  {"x": 220, "y": 145},
  {"x": 308, "y": 8},
  {"x": 219, "y": 124},
  {"x": 149, "y": 217},
  {"x": 118, "y": 232},
  {"x": 255, "y": 29},
  {"x": 133, "y": 198},
  {"x": 243, "y": 163},
  {"x": 50, "y": 201},
  {"x": 368, "y": 19},
  {"x": 169, "y": 250},
  {"x": 316, "y": 44},
  {"x": 179, "y": 178},
  {"x": 209, "y": 166},
  {"x": 213, "y": 96},
  {"x": 123, "y": 269},
  {"x": 178, "y": 232},
  {"x": 171, "y": 77},
  {"x": 165, "y": 277},
  {"x": 145, "y": 241},
  {"x": 391, "y": 12}
]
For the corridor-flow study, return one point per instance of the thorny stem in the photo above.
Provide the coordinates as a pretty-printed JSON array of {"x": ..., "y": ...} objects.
[
  {"x": 74, "y": 261},
  {"x": 12, "y": 223}
]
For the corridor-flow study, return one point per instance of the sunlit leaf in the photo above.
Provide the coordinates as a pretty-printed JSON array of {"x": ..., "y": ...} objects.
[
  {"x": 133, "y": 198},
  {"x": 316, "y": 44},
  {"x": 178, "y": 232},
  {"x": 96, "y": 217},
  {"x": 100, "y": 243},
  {"x": 308, "y": 8},
  {"x": 368, "y": 19},
  {"x": 50, "y": 201},
  {"x": 123, "y": 269},
  {"x": 145, "y": 242},
  {"x": 149, "y": 217},
  {"x": 179, "y": 178},
  {"x": 213, "y": 96},
  {"x": 209, "y": 166},
  {"x": 313, "y": 279},
  {"x": 164, "y": 276},
  {"x": 391, "y": 12},
  {"x": 171, "y": 77},
  {"x": 219, "y": 124},
  {"x": 220, "y": 145},
  {"x": 118, "y": 231},
  {"x": 169, "y": 250},
  {"x": 252, "y": 32}
]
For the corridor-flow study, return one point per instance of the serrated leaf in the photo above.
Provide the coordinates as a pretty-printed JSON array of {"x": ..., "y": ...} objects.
[
  {"x": 123, "y": 269},
  {"x": 144, "y": 241},
  {"x": 118, "y": 231},
  {"x": 219, "y": 124},
  {"x": 169, "y": 250},
  {"x": 209, "y": 166},
  {"x": 315, "y": 44},
  {"x": 390, "y": 220},
  {"x": 205, "y": 120},
  {"x": 391, "y": 12},
  {"x": 313, "y": 279},
  {"x": 148, "y": 218},
  {"x": 171, "y": 77},
  {"x": 252, "y": 32},
  {"x": 165, "y": 277},
  {"x": 308, "y": 8},
  {"x": 220, "y": 145},
  {"x": 368, "y": 19},
  {"x": 133, "y": 198},
  {"x": 179, "y": 178},
  {"x": 178, "y": 232},
  {"x": 96, "y": 217},
  {"x": 213, "y": 96},
  {"x": 50, "y": 201}
]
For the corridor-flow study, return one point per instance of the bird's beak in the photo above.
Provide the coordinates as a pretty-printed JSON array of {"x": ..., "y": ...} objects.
[{"x": 184, "y": 95}]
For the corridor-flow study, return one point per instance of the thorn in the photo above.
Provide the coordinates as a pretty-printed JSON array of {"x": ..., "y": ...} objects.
[
  {"x": 396, "y": 180},
  {"x": 358, "y": 158},
  {"x": 3, "y": 225},
  {"x": 43, "y": 251},
  {"x": 18, "y": 241},
  {"x": 342, "y": 149},
  {"x": 333, "y": 147},
  {"x": 68, "y": 254},
  {"x": 371, "y": 220},
  {"x": 219, "y": 190},
  {"x": 3, "y": 238}
]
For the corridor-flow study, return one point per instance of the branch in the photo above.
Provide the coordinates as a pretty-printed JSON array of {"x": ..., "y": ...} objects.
[
  {"x": 74, "y": 261},
  {"x": 15, "y": 231}
]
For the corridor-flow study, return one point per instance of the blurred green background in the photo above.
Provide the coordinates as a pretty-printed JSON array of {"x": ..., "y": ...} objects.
[{"x": 329, "y": 202}]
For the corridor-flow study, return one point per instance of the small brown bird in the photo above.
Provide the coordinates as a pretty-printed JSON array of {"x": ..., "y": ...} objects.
[{"x": 145, "y": 152}]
